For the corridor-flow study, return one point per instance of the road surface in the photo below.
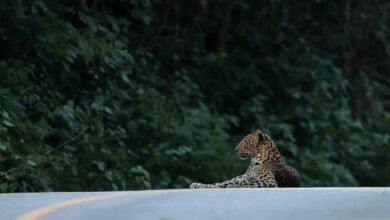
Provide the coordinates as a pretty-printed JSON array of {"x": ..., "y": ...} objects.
[{"x": 186, "y": 204}]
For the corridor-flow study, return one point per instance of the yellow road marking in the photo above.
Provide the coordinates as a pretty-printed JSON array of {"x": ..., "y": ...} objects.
[{"x": 40, "y": 212}]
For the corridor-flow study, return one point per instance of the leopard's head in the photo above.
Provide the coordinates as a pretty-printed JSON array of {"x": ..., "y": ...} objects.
[{"x": 250, "y": 145}]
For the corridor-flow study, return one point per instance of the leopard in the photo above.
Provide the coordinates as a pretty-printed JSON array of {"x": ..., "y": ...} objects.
[{"x": 267, "y": 169}]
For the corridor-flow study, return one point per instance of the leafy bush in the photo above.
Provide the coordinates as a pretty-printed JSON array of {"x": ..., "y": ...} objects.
[{"x": 110, "y": 95}]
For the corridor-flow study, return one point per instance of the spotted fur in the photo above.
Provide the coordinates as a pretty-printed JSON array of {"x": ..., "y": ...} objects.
[{"x": 266, "y": 169}]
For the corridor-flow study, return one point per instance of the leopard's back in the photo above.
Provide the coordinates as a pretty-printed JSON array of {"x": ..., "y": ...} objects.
[{"x": 287, "y": 176}]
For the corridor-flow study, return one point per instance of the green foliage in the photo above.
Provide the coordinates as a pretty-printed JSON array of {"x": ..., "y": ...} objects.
[{"x": 155, "y": 94}]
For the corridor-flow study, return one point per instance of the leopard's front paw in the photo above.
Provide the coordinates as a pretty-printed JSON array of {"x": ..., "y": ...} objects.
[{"x": 196, "y": 185}]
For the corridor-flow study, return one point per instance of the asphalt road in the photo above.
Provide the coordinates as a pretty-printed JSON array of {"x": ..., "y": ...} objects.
[{"x": 224, "y": 204}]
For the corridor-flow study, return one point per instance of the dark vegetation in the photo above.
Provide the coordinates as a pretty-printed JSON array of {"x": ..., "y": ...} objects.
[{"x": 159, "y": 92}]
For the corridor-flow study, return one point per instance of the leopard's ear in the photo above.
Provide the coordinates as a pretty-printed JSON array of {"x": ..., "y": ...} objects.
[{"x": 261, "y": 135}]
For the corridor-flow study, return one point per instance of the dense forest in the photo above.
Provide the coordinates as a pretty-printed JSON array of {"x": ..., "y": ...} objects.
[{"x": 143, "y": 94}]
